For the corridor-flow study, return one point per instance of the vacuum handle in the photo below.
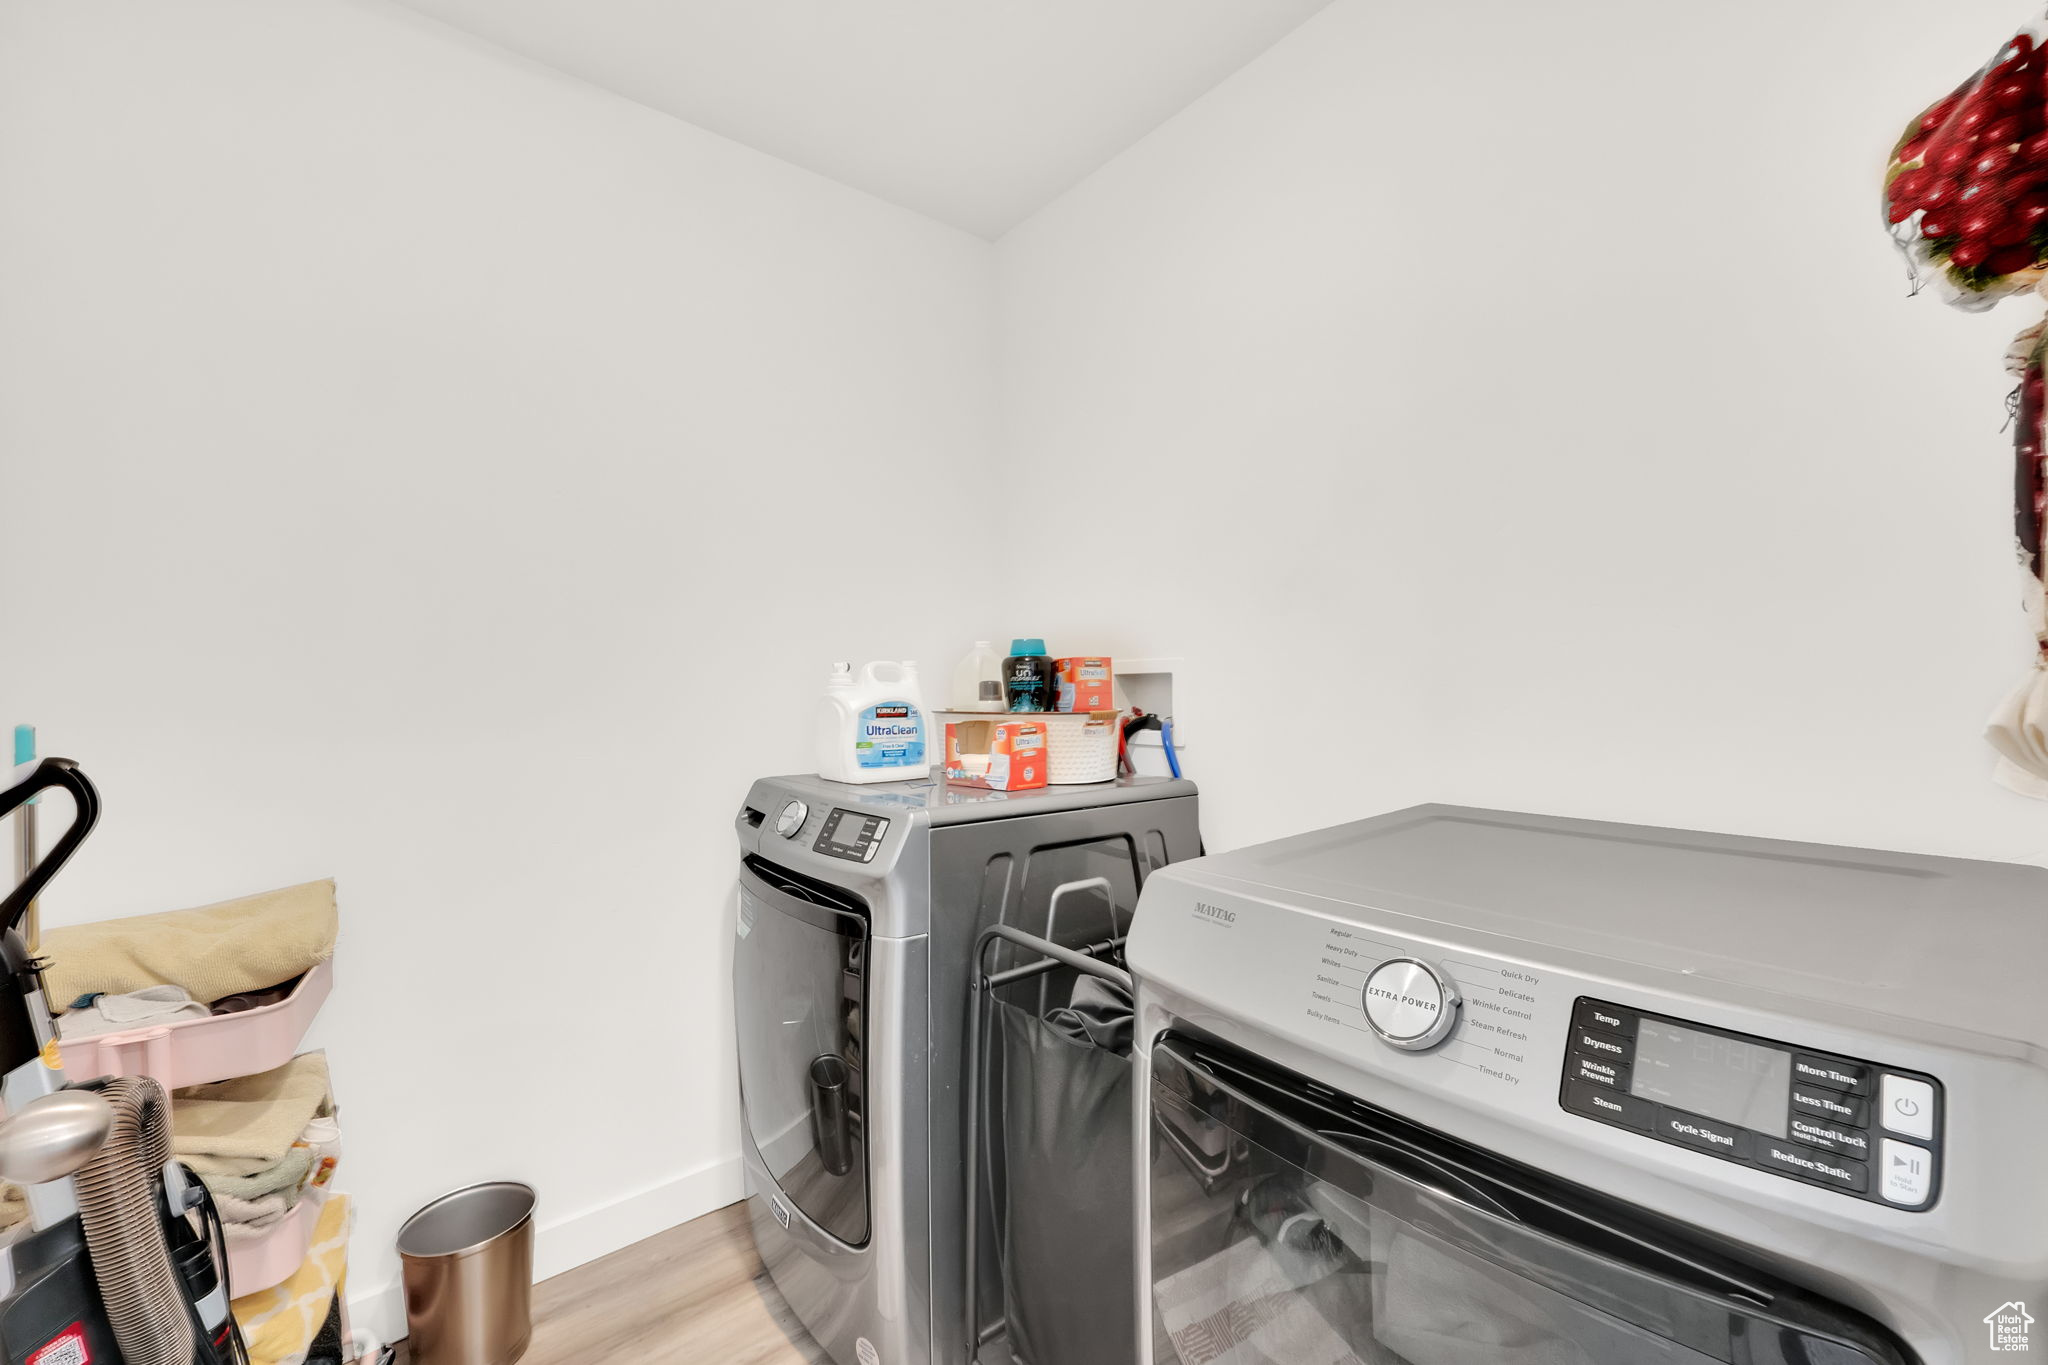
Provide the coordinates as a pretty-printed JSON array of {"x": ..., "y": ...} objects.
[{"x": 51, "y": 772}]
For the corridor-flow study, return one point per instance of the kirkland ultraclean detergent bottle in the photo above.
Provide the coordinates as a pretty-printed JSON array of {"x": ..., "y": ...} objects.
[
  {"x": 1028, "y": 677},
  {"x": 872, "y": 728}
]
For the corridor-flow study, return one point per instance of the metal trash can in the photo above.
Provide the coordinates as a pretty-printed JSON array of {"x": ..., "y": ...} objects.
[{"x": 468, "y": 1260}]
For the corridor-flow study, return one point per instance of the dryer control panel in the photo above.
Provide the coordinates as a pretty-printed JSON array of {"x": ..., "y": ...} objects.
[
  {"x": 1867, "y": 1131},
  {"x": 850, "y": 834}
]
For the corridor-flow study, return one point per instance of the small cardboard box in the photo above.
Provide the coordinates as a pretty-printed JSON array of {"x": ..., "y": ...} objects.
[
  {"x": 1013, "y": 745},
  {"x": 1084, "y": 684}
]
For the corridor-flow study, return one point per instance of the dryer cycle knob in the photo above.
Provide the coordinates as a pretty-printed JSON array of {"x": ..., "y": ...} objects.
[
  {"x": 792, "y": 819},
  {"x": 1410, "y": 1004}
]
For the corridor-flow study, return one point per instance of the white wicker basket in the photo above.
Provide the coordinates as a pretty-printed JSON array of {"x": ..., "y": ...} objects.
[{"x": 1079, "y": 748}]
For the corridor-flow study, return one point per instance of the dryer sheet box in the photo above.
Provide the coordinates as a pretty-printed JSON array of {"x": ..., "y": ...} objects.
[{"x": 1013, "y": 748}]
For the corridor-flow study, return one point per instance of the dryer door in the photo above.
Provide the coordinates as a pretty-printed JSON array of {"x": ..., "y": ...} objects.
[
  {"x": 1292, "y": 1224},
  {"x": 800, "y": 986}
]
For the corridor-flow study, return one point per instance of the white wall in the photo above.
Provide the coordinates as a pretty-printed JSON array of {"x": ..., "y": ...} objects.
[
  {"x": 1521, "y": 405},
  {"x": 422, "y": 468}
]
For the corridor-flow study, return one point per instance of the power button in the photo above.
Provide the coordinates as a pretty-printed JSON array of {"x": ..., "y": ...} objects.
[{"x": 1906, "y": 1106}]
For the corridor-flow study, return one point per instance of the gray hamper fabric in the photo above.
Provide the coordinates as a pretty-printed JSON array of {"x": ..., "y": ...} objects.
[{"x": 1068, "y": 1245}]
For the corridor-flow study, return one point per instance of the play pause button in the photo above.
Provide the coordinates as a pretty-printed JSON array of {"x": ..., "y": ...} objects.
[{"x": 1908, "y": 1173}]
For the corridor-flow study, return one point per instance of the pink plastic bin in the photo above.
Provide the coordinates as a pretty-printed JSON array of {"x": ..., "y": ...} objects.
[
  {"x": 195, "y": 1051},
  {"x": 271, "y": 1259}
]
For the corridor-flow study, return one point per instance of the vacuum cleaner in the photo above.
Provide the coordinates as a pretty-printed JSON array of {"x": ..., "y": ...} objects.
[{"x": 123, "y": 1261}]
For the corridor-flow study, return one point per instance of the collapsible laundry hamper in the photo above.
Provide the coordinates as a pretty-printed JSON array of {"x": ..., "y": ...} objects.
[{"x": 1049, "y": 1146}]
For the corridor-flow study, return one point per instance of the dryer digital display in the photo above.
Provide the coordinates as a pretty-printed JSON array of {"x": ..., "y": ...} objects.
[
  {"x": 1714, "y": 1074},
  {"x": 1863, "y": 1130}
]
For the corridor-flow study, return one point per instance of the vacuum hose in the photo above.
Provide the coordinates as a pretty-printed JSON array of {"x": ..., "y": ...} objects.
[{"x": 124, "y": 1229}]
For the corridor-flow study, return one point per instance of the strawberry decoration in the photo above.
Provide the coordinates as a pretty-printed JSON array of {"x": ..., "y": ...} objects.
[
  {"x": 1966, "y": 199},
  {"x": 1982, "y": 150}
]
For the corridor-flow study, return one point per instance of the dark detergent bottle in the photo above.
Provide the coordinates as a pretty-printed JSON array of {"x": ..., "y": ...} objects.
[{"x": 1028, "y": 677}]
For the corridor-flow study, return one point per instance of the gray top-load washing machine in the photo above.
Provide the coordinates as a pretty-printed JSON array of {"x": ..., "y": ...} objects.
[
  {"x": 859, "y": 907},
  {"x": 1453, "y": 1087}
]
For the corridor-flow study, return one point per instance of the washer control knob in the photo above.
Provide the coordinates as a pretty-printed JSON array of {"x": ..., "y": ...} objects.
[
  {"x": 792, "y": 819},
  {"x": 1410, "y": 1004}
]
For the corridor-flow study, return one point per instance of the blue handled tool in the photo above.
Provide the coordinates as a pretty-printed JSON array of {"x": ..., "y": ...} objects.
[{"x": 25, "y": 840}]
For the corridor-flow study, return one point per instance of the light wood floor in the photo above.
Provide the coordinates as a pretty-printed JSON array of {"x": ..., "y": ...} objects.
[{"x": 695, "y": 1293}]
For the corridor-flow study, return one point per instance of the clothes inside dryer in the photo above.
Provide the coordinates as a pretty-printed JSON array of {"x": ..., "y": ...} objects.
[{"x": 1291, "y": 1225}]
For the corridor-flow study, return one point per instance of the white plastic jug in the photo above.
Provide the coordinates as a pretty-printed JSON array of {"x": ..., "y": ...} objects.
[
  {"x": 873, "y": 728},
  {"x": 978, "y": 681}
]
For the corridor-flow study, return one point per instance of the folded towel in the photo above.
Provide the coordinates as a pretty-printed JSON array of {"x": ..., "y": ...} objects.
[
  {"x": 136, "y": 1009},
  {"x": 279, "y": 1323},
  {"x": 289, "y": 1173},
  {"x": 266, "y": 1212},
  {"x": 246, "y": 1125},
  {"x": 216, "y": 951}
]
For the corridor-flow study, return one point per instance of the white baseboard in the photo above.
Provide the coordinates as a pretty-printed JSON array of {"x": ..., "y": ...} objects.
[{"x": 582, "y": 1238}]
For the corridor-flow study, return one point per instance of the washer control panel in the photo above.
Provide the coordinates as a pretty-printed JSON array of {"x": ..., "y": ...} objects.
[
  {"x": 1851, "y": 1126},
  {"x": 851, "y": 835}
]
